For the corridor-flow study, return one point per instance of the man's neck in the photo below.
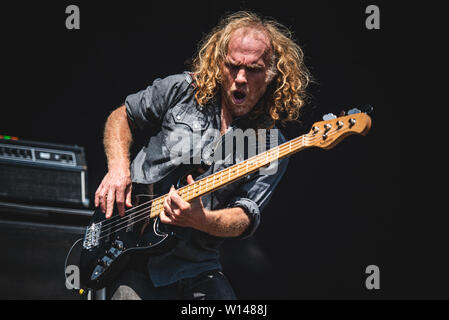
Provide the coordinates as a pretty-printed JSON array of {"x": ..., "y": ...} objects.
[{"x": 226, "y": 118}]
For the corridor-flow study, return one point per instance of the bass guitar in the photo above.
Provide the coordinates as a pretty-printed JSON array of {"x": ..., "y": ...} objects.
[{"x": 108, "y": 244}]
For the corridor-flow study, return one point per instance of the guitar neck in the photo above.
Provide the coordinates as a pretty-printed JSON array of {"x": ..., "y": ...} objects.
[
  {"x": 324, "y": 134},
  {"x": 226, "y": 176}
]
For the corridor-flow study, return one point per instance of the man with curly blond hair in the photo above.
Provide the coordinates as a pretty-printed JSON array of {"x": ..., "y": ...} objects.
[{"x": 248, "y": 74}]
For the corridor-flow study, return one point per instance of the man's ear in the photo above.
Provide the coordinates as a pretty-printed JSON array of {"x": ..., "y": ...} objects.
[{"x": 270, "y": 76}]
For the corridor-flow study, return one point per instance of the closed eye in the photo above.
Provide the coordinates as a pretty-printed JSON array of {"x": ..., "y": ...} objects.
[
  {"x": 232, "y": 66},
  {"x": 235, "y": 67},
  {"x": 254, "y": 69}
]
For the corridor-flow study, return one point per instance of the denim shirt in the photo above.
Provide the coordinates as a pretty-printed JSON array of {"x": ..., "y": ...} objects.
[{"x": 179, "y": 130}]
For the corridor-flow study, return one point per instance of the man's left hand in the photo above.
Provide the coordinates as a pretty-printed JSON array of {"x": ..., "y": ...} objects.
[{"x": 181, "y": 213}]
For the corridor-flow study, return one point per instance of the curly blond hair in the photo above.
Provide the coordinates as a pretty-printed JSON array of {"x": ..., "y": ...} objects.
[{"x": 286, "y": 94}]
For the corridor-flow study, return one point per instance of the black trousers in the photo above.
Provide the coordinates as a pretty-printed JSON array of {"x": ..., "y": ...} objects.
[{"x": 135, "y": 284}]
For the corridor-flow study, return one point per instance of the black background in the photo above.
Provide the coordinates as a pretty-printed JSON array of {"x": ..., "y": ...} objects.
[{"x": 334, "y": 213}]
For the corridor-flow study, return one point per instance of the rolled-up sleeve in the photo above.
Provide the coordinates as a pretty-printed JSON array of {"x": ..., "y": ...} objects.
[
  {"x": 254, "y": 194},
  {"x": 147, "y": 107}
]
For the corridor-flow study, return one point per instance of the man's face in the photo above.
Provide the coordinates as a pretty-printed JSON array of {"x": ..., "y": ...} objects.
[{"x": 245, "y": 70}]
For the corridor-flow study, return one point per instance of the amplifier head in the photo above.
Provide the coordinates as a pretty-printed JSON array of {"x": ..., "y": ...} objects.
[{"x": 43, "y": 173}]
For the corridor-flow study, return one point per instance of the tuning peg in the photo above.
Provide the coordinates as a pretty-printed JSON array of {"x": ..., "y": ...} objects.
[
  {"x": 368, "y": 109},
  {"x": 354, "y": 111},
  {"x": 329, "y": 116},
  {"x": 342, "y": 113}
]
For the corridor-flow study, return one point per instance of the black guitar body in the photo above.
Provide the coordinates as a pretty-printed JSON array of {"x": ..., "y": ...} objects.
[
  {"x": 109, "y": 244},
  {"x": 107, "y": 255}
]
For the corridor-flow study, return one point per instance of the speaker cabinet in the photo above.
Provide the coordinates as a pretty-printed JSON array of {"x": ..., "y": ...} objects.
[{"x": 33, "y": 246}]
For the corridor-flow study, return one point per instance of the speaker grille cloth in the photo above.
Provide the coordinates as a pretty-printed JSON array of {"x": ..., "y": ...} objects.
[{"x": 42, "y": 184}]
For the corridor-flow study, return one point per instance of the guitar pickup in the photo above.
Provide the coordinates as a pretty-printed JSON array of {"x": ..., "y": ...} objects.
[
  {"x": 113, "y": 252},
  {"x": 97, "y": 272},
  {"x": 105, "y": 261},
  {"x": 118, "y": 244}
]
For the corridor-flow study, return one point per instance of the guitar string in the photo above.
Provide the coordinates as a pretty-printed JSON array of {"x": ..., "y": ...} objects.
[
  {"x": 134, "y": 222},
  {"x": 181, "y": 191},
  {"x": 160, "y": 205},
  {"x": 144, "y": 212},
  {"x": 112, "y": 219}
]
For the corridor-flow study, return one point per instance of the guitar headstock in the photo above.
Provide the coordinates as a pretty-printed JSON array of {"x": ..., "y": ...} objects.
[{"x": 329, "y": 132}]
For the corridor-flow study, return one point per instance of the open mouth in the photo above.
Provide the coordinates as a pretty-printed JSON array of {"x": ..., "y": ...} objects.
[{"x": 239, "y": 97}]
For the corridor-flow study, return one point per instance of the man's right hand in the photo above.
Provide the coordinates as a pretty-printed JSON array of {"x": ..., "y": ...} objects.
[{"x": 115, "y": 187}]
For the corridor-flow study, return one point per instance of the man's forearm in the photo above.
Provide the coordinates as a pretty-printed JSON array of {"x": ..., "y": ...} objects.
[
  {"x": 230, "y": 222},
  {"x": 116, "y": 185},
  {"x": 117, "y": 139}
]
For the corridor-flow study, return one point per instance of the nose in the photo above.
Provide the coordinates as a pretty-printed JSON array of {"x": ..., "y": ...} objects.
[{"x": 241, "y": 76}]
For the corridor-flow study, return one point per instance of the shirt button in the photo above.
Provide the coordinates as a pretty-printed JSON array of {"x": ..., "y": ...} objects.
[{"x": 178, "y": 117}]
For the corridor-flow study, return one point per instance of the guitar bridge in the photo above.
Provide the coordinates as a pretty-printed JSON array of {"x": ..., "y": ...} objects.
[{"x": 92, "y": 236}]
